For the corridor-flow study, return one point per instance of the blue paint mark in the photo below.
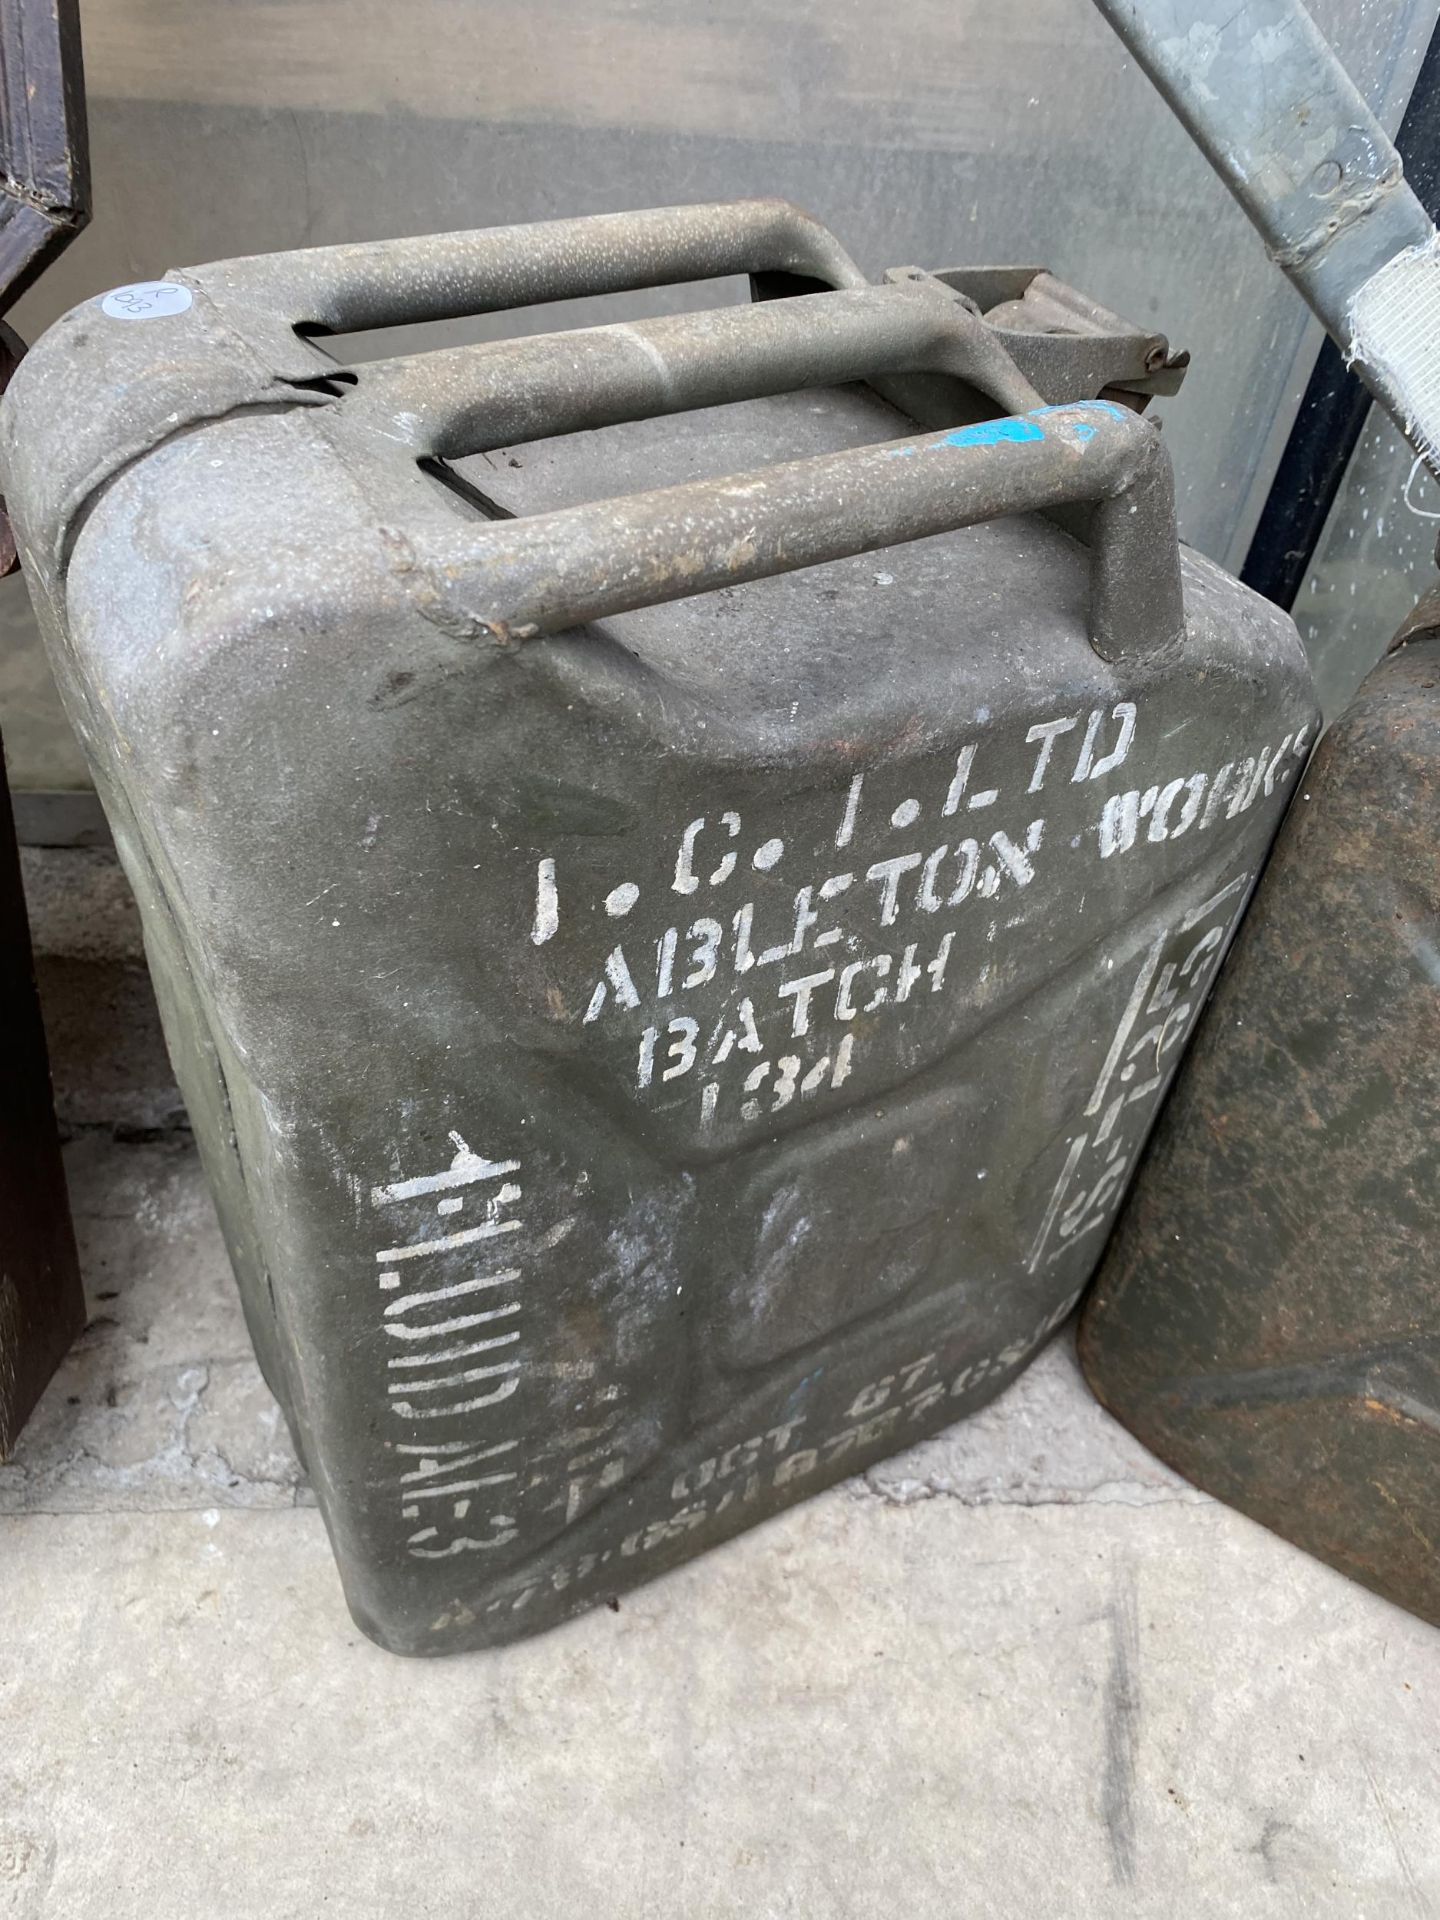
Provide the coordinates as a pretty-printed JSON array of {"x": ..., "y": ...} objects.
[
  {"x": 1018, "y": 427},
  {"x": 803, "y": 1388},
  {"x": 990, "y": 433},
  {"x": 985, "y": 433}
]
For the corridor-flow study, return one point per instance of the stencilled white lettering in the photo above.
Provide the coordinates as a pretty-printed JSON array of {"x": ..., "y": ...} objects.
[
  {"x": 772, "y": 968},
  {"x": 761, "y": 946},
  {"x": 457, "y": 1352},
  {"x": 783, "y": 1459},
  {"x": 1197, "y": 800},
  {"x": 1167, "y": 994}
]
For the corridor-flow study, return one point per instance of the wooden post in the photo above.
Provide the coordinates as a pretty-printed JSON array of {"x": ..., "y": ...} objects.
[{"x": 42, "y": 1306}]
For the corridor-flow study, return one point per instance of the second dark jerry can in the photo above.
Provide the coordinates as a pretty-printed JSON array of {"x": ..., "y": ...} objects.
[
  {"x": 1268, "y": 1315},
  {"x": 673, "y": 932}
]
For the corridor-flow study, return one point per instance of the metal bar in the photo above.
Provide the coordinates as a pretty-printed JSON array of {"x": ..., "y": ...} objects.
[
  {"x": 1333, "y": 412},
  {"x": 559, "y": 570},
  {"x": 1261, "y": 93},
  {"x": 473, "y": 399},
  {"x": 1263, "y": 96},
  {"x": 444, "y": 276}
]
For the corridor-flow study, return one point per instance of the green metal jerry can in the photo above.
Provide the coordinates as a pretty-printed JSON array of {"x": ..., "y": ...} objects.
[{"x": 673, "y": 933}]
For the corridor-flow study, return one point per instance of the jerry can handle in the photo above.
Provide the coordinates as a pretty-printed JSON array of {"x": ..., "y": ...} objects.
[
  {"x": 456, "y": 401},
  {"x": 518, "y": 579},
  {"x": 447, "y": 276},
  {"x": 558, "y": 570}
]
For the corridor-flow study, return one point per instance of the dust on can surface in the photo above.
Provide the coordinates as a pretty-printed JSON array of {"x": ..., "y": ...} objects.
[
  {"x": 671, "y": 973},
  {"x": 1268, "y": 1316}
]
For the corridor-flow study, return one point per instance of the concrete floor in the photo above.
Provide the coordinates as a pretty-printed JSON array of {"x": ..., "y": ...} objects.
[{"x": 1020, "y": 1670}]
